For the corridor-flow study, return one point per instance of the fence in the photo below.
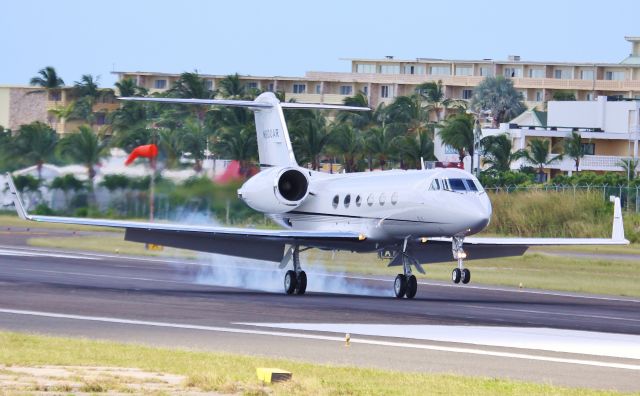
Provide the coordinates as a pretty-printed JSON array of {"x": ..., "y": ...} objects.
[{"x": 629, "y": 196}]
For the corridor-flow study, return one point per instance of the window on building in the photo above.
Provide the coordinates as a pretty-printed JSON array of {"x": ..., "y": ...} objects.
[
  {"x": 464, "y": 71},
  {"x": 414, "y": 69},
  {"x": 440, "y": 70},
  {"x": 101, "y": 118},
  {"x": 512, "y": 72},
  {"x": 365, "y": 90},
  {"x": 538, "y": 96},
  {"x": 525, "y": 97},
  {"x": 271, "y": 87},
  {"x": 346, "y": 89},
  {"x": 589, "y": 96},
  {"x": 208, "y": 84},
  {"x": 55, "y": 96},
  {"x": 160, "y": 84},
  {"x": 486, "y": 71},
  {"x": 251, "y": 85},
  {"x": 384, "y": 91},
  {"x": 586, "y": 74},
  {"x": 318, "y": 89},
  {"x": 589, "y": 148},
  {"x": 390, "y": 69},
  {"x": 467, "y": 93},
  {"x": 299, "y": 88},
  {"x": 536, "y": 73},
  {"x": 562, "y": 74},
  {"x": 614, "y": 75},
  {"x": 365, "y": 68}
]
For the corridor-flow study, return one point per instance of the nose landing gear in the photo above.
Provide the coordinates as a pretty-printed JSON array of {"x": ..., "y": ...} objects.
[{"x": 459, "y": 274}]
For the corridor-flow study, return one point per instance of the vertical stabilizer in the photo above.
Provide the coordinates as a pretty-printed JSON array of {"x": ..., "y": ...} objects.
[{"x": 274, "y": 145}]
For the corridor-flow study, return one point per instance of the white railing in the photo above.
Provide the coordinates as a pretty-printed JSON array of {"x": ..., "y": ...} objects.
[{"x": 588, "y": 162}]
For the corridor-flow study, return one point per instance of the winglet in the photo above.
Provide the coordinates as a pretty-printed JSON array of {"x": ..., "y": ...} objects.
[
  {"x": 617, "y": 233},
  {"x": 17, "y": 201}
]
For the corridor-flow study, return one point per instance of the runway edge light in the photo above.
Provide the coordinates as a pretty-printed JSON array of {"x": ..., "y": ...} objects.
[{"x": 270, "y": 375}]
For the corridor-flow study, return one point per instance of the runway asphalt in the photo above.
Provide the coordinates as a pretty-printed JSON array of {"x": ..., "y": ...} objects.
[{"x": 550, "y": 337}]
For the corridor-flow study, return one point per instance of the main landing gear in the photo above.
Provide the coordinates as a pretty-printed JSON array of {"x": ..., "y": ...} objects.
[
  {"x": 295, "y": 281},
  {"x": 459, "y": 274},
  {"x": 406, "y": 284}
]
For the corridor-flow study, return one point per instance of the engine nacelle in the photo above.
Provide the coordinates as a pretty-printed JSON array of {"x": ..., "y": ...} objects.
[{"x": 276, "y": 190}]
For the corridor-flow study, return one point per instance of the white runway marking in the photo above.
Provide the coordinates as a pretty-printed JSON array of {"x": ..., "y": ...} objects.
[
  {"x": 544, "y": 339},
  {"x": 34, "y": 253},
  {"x": 474, "y": 351}
]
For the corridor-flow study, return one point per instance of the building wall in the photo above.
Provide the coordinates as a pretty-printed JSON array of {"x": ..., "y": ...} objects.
[
  {"x": 4, "y": 106},
  {"x": 608, "y": 116},
  {"x": 26, "y": 108}
]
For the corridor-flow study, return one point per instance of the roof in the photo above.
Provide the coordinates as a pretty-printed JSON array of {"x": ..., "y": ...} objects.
[{"x": 541, "y": 116}]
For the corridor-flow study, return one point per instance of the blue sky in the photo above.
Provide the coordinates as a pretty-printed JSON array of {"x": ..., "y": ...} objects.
[{"x": 289, "y": 37}]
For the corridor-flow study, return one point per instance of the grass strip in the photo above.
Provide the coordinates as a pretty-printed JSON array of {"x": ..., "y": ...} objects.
[{"x": 231, "y": 373}]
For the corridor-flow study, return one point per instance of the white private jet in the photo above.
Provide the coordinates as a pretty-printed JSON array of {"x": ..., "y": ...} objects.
[{"x": 413, "y": 217}]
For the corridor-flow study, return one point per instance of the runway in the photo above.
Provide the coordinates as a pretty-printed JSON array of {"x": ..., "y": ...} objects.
[{"x": 551, "y": 337}]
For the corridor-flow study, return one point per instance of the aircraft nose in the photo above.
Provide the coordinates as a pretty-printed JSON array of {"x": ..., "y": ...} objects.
[{"x": 480, "y": 214}]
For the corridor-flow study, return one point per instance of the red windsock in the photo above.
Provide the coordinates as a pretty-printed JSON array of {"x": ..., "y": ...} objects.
[{"x": 147, "y": 151}]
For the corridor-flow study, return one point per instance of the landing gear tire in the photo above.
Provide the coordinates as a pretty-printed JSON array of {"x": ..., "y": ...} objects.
[
  {"x": 412, "y": 287},
  {"x": 400, "y": 285},
  {"x": 466, "y": 276},
  {"x": 290, "y": 282},
  {"x": 456, "y": 275},
  {"x": 301, "y": 283}
]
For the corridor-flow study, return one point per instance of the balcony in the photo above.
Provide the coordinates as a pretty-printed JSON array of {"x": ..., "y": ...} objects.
[
  {"x": 471, "y": 81},
  {"x": 316, "y": 98},
  {"x": 587, "y": 163}
]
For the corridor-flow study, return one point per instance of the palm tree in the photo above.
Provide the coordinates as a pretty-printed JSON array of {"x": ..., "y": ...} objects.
[
  {"x": 309, "y": 137},
  {"x": 433, "y": 93},
  {"x": 378, "y": 143},
  {"x": 538, "y": 155},
  {"x": 573, "y": 148},
  {"x": 87, "y": 86},
  {"x": 34, "y": 143},
  {"x": 630, "y": 167},
  {"x": 63, "y": 112},
  {"x": 192, "y": 86},
  {"x": 407, "y": 115},
  {"x": 458, "y": 132},
  {"x": 564, "y": 96},
  {"x": 362, "y": 119},
  {"x": 347, "y": 141},
  {"x": 232, "y": 87},
  {"x": 65, "y": 184},
  {"x": 415, "y": 148},
  {"x": 497, "y": 152},
  {"x": 170, "y": 144},
  {"x": 238, "y": 143},
  {"x": 128, "y": 88},
  {"x": 49, "y": 80},
  {"x": 85, "y": 147},
  {"x": 193, "y": 140},
  {"x": 497, "y": 95}
]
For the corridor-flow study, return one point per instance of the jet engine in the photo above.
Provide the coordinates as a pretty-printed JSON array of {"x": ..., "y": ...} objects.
[{"x": 276, "y": 190}]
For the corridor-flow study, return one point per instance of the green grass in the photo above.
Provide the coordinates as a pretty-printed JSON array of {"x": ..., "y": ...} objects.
[{"x": 230, "y": 373}]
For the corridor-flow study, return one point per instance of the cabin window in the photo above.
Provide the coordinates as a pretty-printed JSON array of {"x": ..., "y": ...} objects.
[
  {"x": 336, "y": 200},
  {"x": 358, "y": 201},
  {"x": 394, "y": 198},
  {"x": 347, "y": 200},
  {"x": 382, "y": 199},
  {"x": 370, "y": 200}
]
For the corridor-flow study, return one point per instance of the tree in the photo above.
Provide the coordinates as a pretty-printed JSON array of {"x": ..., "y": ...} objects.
[
  {"x": 573, "y": 148},
  {"x": 497, "y": 152},
  {"x": 85, "y": 147},
  {"x": 538, "y": 155},
  {"x": 497, "y": 95},
  {"x": 192, "y": 86},
  {"x": 407, "y": 115},
  {"x": 348, "y": 142},
  {"x": 87, "y": 86},
  {"x": 630, "y": 167},
  {"x": 49, "y": 80},
  {"x": 34, "y": 143},
  {"x": 362, "y": 119},
  {"x": 564, "y": 96},
  {"x": 458, "y": 132},
  {"x": 232, "y": 87},
  {"x": 65, "y": 184},
  {"x": 309, "y": 138},
  {"x": 378, "y": 143},
  {"x": 129, "y": 88},
  {"x": 193, "y": 141},
  {"x": 415, "y": 148},
  {"x": 238, "y": 143},
  {"x": 433, "y": 93}
]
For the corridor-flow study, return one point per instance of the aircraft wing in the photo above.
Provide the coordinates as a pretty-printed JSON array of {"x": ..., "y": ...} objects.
[
  {"x": 240, "y": 242},
  {"x": 438, "y": 250}
]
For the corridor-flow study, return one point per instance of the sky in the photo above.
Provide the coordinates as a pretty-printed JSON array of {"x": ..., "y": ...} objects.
[{"x": 288, "y": 38}]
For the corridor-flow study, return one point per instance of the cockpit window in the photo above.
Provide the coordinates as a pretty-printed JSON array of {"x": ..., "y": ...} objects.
[
  {"x": 457, "y": 185},
  {"x": 471, "y": 185},
  {"x": 435, "y": 185}
]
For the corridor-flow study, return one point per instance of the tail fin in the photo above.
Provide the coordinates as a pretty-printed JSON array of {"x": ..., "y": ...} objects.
[{"x": 274, "y": 144}]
